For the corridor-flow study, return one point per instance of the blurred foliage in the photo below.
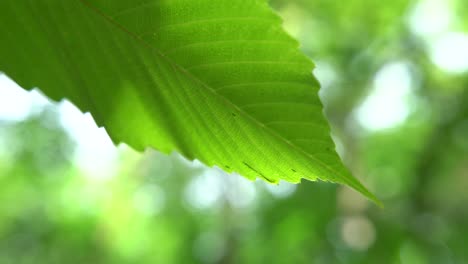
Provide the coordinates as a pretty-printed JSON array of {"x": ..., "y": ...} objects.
[{"x": 163, "y": 209}]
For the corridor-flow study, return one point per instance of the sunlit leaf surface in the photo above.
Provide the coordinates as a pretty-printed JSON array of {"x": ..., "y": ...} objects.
[{"x": 218, "y": 81}]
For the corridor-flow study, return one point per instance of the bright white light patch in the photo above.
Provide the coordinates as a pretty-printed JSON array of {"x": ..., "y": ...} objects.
[
  {"x": 95, "y": 151},
  {"x": 241, "y": 192},
  {"x": 205, "y": 191},
  {"x": 282, "y": 190},
  {"x": 387, "y": 105},
  {"x": 430, "y": 17},
  {"x": 325, "y": 73},
  {"x": 450, "y": 52},
  {"x": 95, "y": 154},
  {"x": 15, "y": 102},
  {"x": 209, "y": 189}
]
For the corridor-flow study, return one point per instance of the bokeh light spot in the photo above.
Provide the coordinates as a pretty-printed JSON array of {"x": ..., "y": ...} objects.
[
  {"x": 204, "y": 191},
  {"x": 282, "y": 189},
  {"x": 430, "y": 17},
  {"x": 388, "y": 103},
  {"x": 358, "y": 232},
  {"x": 149, "y": 199},
  {"x": 450, "y": 52}
]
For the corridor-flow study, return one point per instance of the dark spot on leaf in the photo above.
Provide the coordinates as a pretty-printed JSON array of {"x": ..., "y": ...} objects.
[
  {"x": 227, "y": 167},
  {"x": 246, "y": 164},
  {"x": 233, "y": 114},
  {"x": 293, "y": 170},
  {"x": 263, "y": 176},
  {"x": 270, "y": 181}
]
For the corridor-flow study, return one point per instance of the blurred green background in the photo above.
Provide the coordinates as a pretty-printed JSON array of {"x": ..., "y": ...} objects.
[{"x": 395, "y": 89}]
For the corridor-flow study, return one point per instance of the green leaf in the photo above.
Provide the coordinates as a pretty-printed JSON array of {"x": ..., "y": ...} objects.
[{"x": 218, "y": 81}]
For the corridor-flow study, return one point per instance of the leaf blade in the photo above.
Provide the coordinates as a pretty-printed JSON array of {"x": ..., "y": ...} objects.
[{"x": 180, "y": 81}]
